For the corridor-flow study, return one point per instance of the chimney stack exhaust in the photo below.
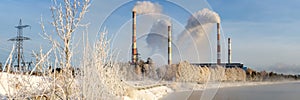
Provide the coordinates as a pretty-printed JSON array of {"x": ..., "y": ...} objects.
[
  {"x": 169, "y": 45},
  {"x": 229, "y": 50},
  {"x": 218, "y": 45},
  {"x": 134, "y": 49}
]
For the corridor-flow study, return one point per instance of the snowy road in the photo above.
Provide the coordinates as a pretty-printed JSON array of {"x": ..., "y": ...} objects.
[{"x": 284, "y": 91}]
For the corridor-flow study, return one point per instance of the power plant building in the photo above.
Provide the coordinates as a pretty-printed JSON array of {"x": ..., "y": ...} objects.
[{"x": 134, "y": 52}]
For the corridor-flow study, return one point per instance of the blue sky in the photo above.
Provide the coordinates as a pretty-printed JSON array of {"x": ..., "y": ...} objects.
[
  {"x": 262, "y": 11},
  {"x": 30, "y": 12},
  {"x": 264, "y": 32}
]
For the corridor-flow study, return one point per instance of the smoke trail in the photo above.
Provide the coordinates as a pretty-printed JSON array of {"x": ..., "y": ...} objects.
[
  {"x": 145, "y": 7},
  {"x": 161, "y": 26},
  {"x": 203, "y": 16},
  {"x": 198, "y": 25},
  {"x": 157, "y": 38}
]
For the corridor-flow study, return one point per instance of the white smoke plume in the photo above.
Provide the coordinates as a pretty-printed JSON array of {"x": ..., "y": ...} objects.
[
  {"x": 161, "y": 26},
  {"x": 198, "y": 25},
  {"x": 202, "y": 17},
  {"x": 158, "y": 37},
  {"x": 146, "y": 7}
]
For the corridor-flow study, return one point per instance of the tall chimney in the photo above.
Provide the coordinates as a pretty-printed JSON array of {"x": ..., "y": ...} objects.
[
  {"x": 169, "y": 45},
  {"x": 134, "y": 50},
  {"x": 218, "y": 45},
  {"x": 229, "y": 51}
]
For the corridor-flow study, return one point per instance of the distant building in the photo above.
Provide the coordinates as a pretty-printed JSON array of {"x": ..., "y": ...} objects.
[{"x": 227, "y": 65}]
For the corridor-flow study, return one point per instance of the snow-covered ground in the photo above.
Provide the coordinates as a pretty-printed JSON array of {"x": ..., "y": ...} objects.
[
  {"x": 176, "y": 86},
  {"x": 15, "y": 84},
  {"x": 148, "y": 94},
  {"x": 169, "y": 87}
]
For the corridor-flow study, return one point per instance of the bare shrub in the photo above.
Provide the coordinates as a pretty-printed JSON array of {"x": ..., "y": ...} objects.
[
  {"x": 99, "y": 76},
  {"x": 168, "y": 72},
  {"x": 102, "y": 76},
  {"x": 161, "y": 72},
  {"x": 189, "y": 73},
  {"x": 66, "y": 16},
  {"x": 235, "y": 74},
  {"x": 128, "y": 72},
  {"x": 241, "y": 73}
]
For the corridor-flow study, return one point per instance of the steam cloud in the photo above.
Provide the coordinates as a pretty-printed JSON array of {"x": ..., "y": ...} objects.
[
  {"x": 157, "y": 38},
  {"x": 146, "y": 7},
  {"x": 161, "y": 26},
  {"x": 198, "y": 24}
]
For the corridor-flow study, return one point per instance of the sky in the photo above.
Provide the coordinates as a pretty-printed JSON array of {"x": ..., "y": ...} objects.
[{"x": 264, "y": 32}]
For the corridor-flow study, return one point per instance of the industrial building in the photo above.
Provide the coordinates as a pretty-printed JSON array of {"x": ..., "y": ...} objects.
[
  {"x": 227, "y": 65},
  {"x": 134, "y": 52}
]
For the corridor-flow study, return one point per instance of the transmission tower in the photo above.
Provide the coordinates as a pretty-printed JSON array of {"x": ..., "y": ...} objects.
[{"x": 18, "y": 52}]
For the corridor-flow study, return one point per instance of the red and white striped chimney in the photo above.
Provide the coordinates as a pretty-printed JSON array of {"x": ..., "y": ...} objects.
[
  {"x": 169, "y": 45},
  {"x": 134, "y": 50},
  {"x": 218, "y": 45},
  {"x": 229, "y": 50}
]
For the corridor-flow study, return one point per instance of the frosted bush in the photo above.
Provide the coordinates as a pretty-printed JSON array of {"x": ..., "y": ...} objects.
[
  {"x": 102, "y": 76},
  {"x": 189, "y": 73},
  {"x": 186, "y": 72},
  {"x": 217, "y": 73},
  {"x": 235, "y": 74}
]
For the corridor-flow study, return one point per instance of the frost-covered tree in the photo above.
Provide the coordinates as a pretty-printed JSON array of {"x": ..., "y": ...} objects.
[{"x": 67, "y": 15}]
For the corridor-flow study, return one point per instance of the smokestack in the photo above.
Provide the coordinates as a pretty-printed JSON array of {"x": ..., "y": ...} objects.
[
  {"x": 169, "y": 45},
  {"x": 218, "y": 45},
  {"x": 134, "y": 50},
  {"x": 229, "y": 51}
]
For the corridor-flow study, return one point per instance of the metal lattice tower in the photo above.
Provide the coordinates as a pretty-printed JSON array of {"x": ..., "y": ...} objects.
[{"x": 18, "y": 52}]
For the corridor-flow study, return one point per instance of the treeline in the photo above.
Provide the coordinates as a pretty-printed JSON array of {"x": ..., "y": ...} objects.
[
  {"x": 185, "y": 72},
  {"x": 253, "y": 75}
]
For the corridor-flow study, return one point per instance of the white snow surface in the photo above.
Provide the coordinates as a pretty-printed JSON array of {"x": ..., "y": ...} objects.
[
  {"x": 158, "y": 92},
  {"x": 154, "y": 93},
  {"x": 14, "y": 84}
]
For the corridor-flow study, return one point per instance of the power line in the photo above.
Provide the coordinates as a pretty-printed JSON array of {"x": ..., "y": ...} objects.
[{"x": 18, "y": 52}]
